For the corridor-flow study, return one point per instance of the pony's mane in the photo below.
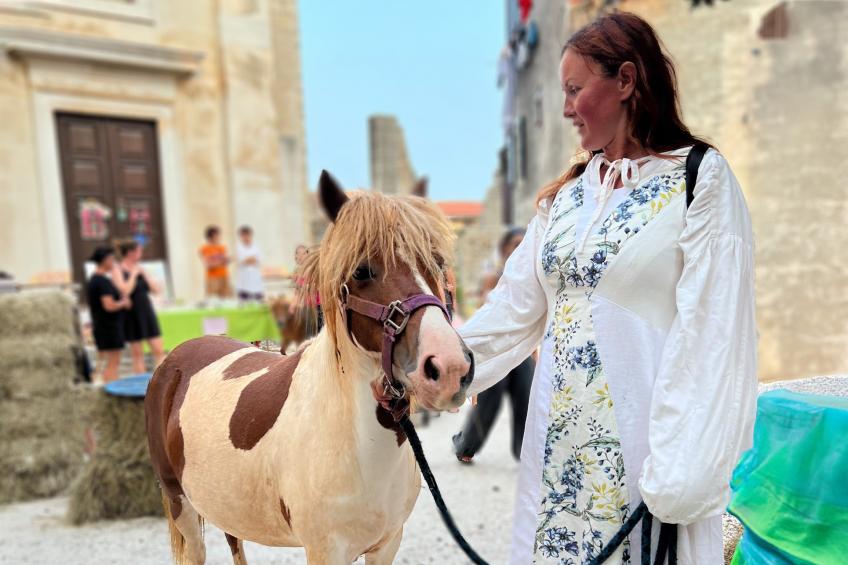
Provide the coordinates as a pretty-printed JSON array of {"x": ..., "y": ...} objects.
[{"x": 405, "y": 230}]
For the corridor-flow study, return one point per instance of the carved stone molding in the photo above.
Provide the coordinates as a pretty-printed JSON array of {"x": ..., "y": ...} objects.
[{"x": 23, "y": 42}]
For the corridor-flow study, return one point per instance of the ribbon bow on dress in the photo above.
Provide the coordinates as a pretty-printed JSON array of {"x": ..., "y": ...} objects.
[{"x": 627, "y": 169}]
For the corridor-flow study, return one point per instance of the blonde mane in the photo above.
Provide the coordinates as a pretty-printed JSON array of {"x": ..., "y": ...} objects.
[{"x": 405, "y": 230}]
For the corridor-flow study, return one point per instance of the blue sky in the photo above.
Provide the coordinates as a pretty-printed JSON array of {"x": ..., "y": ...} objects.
[{"x": 431, "y": 64}]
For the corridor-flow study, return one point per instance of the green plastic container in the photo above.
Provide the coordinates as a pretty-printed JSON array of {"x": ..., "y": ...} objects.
[{"x": 790, "y": 490}]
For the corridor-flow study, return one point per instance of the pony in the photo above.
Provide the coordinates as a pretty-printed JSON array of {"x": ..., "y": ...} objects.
[{"x": 305, "y": 450}]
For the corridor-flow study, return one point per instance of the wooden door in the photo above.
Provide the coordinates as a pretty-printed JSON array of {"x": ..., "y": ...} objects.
[{"x": 110, "y": 174}]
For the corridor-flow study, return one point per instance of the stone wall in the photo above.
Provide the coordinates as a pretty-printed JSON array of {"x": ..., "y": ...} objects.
[{"x": 476, "y": 252}]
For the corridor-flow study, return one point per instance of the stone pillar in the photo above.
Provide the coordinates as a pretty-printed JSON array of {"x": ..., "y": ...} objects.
[
  {"x": 391, "y": 171},
  {"x": 264, "y": 128}
]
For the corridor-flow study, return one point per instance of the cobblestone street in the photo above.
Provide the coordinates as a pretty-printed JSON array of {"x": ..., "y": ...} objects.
[{"x": 480, "y": 497}]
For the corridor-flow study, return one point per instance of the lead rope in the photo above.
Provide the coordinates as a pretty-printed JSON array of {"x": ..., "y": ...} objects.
[
  {"x": 667, "y": 543},
  {"x": 412, "y": 435}
]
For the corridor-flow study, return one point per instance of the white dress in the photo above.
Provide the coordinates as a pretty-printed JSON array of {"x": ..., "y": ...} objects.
[{"x": 646, "y": 383}]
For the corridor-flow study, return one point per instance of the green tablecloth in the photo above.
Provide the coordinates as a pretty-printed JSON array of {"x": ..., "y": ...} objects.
[{"x": 252, "y": 322}]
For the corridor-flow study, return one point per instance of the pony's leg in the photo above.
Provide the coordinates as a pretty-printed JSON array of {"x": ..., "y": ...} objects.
[
  {"x": 327, "y": 555},
  {"x": 237, "y": 549},
  {"x": 190, "y": 525},
  {"x": 385, "y": 554}
]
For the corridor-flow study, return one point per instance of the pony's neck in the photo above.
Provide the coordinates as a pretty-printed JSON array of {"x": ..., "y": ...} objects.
[
  {"x": 377, "y": 446},
  {"x": 343, "y": 371}
]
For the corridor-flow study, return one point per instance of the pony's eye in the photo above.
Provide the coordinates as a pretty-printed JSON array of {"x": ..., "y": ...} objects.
[{"x": 363, "y": 273}]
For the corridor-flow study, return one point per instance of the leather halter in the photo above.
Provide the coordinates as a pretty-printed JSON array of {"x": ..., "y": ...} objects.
[{"x": 394, "y": 317}]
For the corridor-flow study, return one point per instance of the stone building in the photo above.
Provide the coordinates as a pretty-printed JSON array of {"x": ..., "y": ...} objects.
[
  {"x": 764, "y": 80},
  {"x": 391, "y": 168},
  {"x": 476, "y": 252},
  {"x": 149, "y": 119}
]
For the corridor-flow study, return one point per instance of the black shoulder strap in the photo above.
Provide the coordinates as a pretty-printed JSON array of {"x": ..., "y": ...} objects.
[{"x": 693, "y": 161}]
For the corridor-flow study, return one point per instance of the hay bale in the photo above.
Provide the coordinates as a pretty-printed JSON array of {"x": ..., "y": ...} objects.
[
  {"x": 119, "y": 481},
  {"x": 37, "y": 366},
  {"x": 39, "y": 418},
  {"x": 37, "y": 313},
  {"x": 35, "y": 468},
  {"x": 42, "y": 444},
  {"x": 41, "y": 431}
]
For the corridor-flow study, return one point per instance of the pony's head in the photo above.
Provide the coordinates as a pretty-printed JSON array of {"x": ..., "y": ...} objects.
[{"x": 384, "y": 249}]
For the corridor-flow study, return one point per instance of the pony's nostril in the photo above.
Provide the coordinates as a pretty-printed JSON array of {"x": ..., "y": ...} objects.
[{"x": 430, "y": 369}]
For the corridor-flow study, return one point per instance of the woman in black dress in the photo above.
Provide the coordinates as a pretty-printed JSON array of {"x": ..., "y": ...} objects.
[
  {"x": 107, "y": 307},
  {"x": 140, "y": 323}
]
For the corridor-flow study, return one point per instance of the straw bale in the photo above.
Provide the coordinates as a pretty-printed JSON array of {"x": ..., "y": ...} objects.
[
  {"x": 40, "y": 365},
  {"x": 41, "y": 443},
  {"x": 32, "y": 313},
  {"x": 119, "y": 481},
  {"x": 41, "y": 417},
  {"x": 35, "y": 468}
]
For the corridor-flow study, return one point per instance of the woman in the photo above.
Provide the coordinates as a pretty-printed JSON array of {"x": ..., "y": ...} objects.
[
  {"x": 646, "y": 381},
  {"x": 140, "y": 322},
  {"x": 516, "y": 384},
  {"x": 107, "y": 308}
]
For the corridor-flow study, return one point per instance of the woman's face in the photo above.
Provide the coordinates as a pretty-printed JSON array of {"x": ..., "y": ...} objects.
[
  {"x": 596, "y": 105},
  {"x": 135, "y": 254},
  {"x": 108, "y": 263}
]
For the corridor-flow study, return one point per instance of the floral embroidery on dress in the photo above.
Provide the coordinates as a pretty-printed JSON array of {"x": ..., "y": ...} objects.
[{"x": 584, "y": 495}]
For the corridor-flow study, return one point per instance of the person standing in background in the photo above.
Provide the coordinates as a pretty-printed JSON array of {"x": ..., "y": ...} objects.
[
  {"x": 249, "y": 284},
  {"x": 215, "y": 259},
  {"x": 312, "y": 313},
  {"x": 140, "y": 322},
  {"x": 516, "y": 384},
  {"x": 107, "y": 313}
]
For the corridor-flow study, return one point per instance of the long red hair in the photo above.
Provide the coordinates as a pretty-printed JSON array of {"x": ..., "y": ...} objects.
[{"x": 654, "y": 107}]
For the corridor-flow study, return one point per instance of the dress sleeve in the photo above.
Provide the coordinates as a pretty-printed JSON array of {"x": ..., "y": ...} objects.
[
  {"x": 508, "y": 327},
  {"x": 704, "y": 397}
]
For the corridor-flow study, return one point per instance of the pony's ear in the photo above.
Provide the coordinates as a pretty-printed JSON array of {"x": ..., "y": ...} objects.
[
  {"x": 331, "y": 194},
  {"x": 420, "y": 188}
]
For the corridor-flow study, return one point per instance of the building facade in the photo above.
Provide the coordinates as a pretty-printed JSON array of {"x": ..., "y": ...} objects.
[
  {"x": 149, "y": 119},
  {"x": 764, "y": 80}
]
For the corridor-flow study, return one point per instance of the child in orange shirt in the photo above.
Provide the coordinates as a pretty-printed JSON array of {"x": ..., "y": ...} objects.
[{"x": 215, "y": 259}]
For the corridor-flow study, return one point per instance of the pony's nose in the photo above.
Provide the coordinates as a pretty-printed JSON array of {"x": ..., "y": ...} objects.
[{"x": 460, "y": 368}]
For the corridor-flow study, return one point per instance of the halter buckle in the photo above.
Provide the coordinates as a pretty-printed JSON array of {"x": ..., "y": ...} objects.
[
  {"x": 396, "y": 308},
  {"x": 391, "y": 390}
]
